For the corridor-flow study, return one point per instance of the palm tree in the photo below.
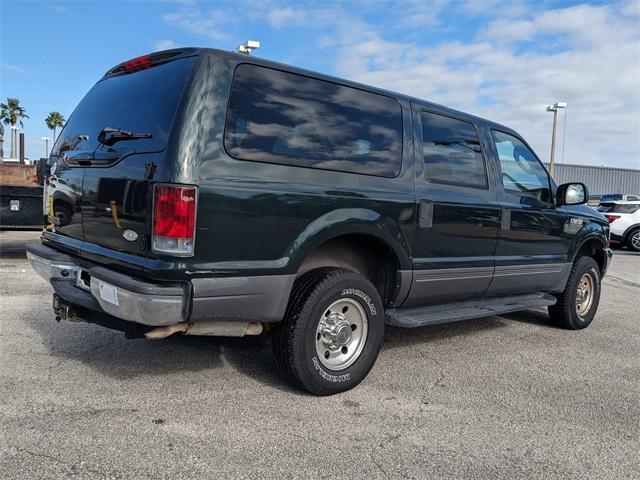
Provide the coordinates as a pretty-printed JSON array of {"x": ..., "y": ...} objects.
[
  {"x": 53, "y": 121},
  {"x": 12, "y": 113}
]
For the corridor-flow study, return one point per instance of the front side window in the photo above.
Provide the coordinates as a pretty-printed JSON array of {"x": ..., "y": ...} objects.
[
  {"x": 451, "y": 151},
  {"x": 291, "y": 119},
  {"x": 522, "y": 172}
]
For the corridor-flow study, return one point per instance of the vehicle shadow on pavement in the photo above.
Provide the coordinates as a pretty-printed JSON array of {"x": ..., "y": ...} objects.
[
  {"x": 396, "y": 337},
  {"x": 538, "y": 317},
  {"x": 110, "y": 353}
]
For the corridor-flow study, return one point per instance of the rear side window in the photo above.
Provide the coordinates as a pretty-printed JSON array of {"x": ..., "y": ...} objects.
[
  {"x": 451, "y": 151},
  {"x": 290, "y": 119},
  {"x": 619, "y": 207}
]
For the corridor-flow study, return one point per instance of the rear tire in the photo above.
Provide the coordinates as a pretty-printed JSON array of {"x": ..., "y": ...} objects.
[
  {"x": 578, "y": 303},
  {"x": 332, "y": 331},
  {"x": 633, "y": 240}
]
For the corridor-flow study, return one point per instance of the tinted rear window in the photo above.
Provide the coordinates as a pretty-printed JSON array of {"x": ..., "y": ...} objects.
[
  {"x": 619, "y": 207},
  {"x": 285, "y": 118},
  {"x": 143, "y": 102}
]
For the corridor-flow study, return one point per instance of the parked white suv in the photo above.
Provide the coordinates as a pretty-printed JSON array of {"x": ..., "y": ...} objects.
[{"x": 624, "y": 219}]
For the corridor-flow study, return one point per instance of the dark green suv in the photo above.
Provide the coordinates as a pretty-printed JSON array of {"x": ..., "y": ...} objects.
[{"x": 201, "y": 192}]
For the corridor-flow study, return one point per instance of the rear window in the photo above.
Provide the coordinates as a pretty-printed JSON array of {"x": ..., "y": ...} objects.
[
  {"x": 141, "y": 102},
  {"x": 285, "y": 118},
  {"x": 619, "y": 207}
]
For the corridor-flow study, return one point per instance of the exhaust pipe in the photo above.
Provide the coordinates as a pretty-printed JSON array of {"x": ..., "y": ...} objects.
[{"x": 218, "y": 328}]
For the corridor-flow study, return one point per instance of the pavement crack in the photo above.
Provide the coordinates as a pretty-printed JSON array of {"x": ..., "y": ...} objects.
[
  {"x": 624, "y": 281},
  {"x": 42, "y": 455},
  {"x": 73, "y": 467},
  {"x": 378, "y": 466},
  {"x": 441, "y": 374}
]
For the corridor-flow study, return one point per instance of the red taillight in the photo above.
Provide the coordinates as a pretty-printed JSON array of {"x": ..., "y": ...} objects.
[
  {"x": 612, "y": 218},
  {"x": 174, "y": 219}
]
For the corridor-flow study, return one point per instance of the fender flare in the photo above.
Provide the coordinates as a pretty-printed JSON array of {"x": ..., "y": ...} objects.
[
  {"x": 584, "y": 241},
  {"x": 350, "y": 221}
]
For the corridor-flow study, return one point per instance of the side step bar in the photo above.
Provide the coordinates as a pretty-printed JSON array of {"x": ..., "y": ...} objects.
[{"x": 452, "y": 312}]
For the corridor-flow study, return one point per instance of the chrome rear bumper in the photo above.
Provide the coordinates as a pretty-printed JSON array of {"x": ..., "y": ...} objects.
[{"x": 117, "y": 294}]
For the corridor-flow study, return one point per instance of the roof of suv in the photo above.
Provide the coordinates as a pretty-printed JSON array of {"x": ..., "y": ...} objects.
[{"x": 362, "y": 86}]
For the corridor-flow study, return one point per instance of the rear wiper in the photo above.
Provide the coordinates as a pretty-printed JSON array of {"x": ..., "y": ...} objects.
[{"x": 108, "y": 135}]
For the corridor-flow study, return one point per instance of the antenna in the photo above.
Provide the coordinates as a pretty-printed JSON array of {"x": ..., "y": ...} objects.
[{"x": 247, "y": 47}]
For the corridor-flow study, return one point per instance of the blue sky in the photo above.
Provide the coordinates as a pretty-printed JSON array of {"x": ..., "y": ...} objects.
[{"x": 505, "y": 60}]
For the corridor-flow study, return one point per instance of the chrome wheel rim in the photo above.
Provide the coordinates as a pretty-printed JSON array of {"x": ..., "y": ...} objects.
[
  {"x": 584, "y": 294},
  {"x": 635, "y": 240},
  {"x": 341, "y": 334}
]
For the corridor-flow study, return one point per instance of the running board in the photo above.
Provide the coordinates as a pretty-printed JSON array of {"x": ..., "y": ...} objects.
[{"x": 452, "y": 312}]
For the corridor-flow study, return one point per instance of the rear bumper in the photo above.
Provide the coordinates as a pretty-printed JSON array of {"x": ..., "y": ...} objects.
[
  {"x": 99, "y": 289},
  {"x": 96, "y": 288}
]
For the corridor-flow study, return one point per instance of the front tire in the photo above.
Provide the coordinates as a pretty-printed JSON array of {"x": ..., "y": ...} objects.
[
  {"x": 578, "y": 303},
  {"x": 332, "y": 331}
]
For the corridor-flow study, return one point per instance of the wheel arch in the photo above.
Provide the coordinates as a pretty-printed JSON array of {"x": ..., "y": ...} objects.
[
  {"x": 593, "y": 246},
  {"x": 630, "y": 229},
  {"x": 361, "y": 240}
]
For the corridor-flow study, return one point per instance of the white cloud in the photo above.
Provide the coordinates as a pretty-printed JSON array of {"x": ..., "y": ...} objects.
[
  {"x": 279, "y": 17},
  {"x": 164, "y": 45},
  {"x": 524, "y": 57},
  {"x": 14, "y": 68},
  {"x": 586, "y": 55},
  {"x": 193, "y": 20}
]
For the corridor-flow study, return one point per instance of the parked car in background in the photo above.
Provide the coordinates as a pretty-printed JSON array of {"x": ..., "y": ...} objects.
[
  {"x": 212, "y": 193},
  {"x": 613, "y": 197},
  {"x": 624, "y": 221},
  {"x": 594, "y": 200}
]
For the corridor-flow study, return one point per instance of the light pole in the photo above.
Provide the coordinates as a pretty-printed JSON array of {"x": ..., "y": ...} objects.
[
  {"x": 14, "y": 141},
  {"x": 46, "y": 146},
  {"x": 554, "y": 108}
]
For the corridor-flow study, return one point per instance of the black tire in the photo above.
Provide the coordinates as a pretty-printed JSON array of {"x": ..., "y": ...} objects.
[
  {"x": 630, "y": 240},
  {"x": 294, "y": 339},
  {"x": 565, "y": 311}
]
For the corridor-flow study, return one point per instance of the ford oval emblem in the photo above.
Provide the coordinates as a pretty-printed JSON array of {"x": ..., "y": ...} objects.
[{"x": 130, "y": 235}]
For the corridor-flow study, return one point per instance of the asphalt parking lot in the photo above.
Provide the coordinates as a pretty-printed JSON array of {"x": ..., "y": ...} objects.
[{"x": 500, "y": 397}]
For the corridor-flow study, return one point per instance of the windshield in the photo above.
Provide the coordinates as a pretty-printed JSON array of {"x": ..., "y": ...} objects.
[{"x": 144, "y": 101}]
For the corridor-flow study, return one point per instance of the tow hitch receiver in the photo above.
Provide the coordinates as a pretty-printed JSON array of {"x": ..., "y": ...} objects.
[{"x": 65, "y": 311}]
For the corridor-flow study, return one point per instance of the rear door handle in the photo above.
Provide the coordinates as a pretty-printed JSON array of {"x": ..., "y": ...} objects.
[
  {"x": 505, "y": 219},
  {"x": 425, "y": 214}
]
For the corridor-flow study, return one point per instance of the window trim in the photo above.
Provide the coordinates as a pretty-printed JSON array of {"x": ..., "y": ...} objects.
[
  {"x": 516, "y": 136},
  {"x": 281, "y": 70},
  {"x": 486, "y": 185}
]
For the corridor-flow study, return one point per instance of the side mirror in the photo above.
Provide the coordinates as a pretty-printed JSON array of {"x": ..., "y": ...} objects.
[{"x": 572, "y": 194}]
